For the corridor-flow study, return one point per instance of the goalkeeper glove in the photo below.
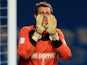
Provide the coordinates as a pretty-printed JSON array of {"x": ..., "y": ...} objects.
[
  {"x": 51, "y": 27},
  {"x": 39, "y": 28}
]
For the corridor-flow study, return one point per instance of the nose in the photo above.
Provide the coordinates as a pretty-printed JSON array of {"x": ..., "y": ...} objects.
[
  {"x": 45, "y": 18},
  {"x": 44, "y": 15}
]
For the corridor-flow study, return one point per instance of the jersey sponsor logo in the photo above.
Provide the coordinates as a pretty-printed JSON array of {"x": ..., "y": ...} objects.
[
  {"x": 43, "y": 56},
  {"x": 21, "y": 40}
]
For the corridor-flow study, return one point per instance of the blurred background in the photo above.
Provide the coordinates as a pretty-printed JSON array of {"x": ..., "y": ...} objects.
[
  {"x": 72, "y": 20},
  {"x": 3, "y": 32}
]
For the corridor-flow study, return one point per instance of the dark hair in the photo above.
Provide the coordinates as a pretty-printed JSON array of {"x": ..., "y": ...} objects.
[{"x": 43, "y": 4}]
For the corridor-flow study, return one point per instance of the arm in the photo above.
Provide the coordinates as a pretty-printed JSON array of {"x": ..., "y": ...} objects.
[
  {"x": 25, "y": 47},
  {"x": 63, "y": 50},
  {"x": 57, "y": 38}
]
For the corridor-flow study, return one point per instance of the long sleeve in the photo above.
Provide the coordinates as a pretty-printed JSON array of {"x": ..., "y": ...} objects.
[
  {"x": 63, "y": 51},
  {"x": 25, "y": 47}
]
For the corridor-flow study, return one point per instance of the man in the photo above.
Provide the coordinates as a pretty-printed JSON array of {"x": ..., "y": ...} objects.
[{"x": 43, "y": 43}]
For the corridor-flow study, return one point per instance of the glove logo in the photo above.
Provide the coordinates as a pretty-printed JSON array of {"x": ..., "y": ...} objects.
[{"x": 21, "y": 40}]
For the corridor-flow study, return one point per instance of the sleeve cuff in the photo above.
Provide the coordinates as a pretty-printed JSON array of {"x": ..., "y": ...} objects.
[
  {"x": 33, "y": 42},
  {"x": 30, "y": 37},
  {"x": 57, "y": 43}
]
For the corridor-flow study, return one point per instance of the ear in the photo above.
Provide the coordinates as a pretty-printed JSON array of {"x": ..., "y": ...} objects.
[{"x": 35, "y": 16}]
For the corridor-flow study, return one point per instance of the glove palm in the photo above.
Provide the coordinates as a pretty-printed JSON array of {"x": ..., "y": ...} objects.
[
  {"x": 52, "y": 24},
  {"x": 39, "y": 28},
  {"x": 51, "y": 27}
]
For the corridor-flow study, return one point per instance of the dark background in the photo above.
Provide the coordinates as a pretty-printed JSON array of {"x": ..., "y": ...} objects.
[{"x": 72, "y": 20}]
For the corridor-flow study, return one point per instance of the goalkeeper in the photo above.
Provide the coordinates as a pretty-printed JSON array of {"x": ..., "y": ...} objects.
[{"x": 43, "y": 43}]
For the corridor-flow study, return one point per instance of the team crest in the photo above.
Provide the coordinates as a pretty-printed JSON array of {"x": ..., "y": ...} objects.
[{"x": 21, "y": 40}]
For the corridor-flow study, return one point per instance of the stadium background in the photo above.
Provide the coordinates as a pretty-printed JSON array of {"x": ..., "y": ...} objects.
[
  {"x": 72, "y": 19},
  {"x": 3, "y": 32}
]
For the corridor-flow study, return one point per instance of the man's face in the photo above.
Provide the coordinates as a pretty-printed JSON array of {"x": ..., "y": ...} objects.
[{"x": 45, "y": 11}]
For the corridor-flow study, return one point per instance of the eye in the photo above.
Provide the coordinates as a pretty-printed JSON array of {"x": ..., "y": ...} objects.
[
  {"x": 41, "y": 13},
  {"x": 47, "y": 13}
]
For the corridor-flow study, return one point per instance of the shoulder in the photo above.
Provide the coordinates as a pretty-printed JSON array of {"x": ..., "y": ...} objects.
[{"x": 27, "y": 28}]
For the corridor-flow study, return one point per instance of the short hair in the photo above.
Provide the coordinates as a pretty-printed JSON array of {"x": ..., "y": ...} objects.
[{"x": 43, "y": 4}]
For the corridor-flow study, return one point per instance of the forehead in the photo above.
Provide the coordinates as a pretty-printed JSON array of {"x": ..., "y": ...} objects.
[{"x": 43, "y": 9}]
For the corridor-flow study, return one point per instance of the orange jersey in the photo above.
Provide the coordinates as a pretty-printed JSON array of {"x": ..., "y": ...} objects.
[{"x": 43, "y": 53}]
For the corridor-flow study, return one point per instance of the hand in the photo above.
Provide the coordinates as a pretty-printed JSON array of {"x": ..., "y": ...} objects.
[
  {"x": 51, "y": 27},
  {"x": 39, "y": 25},
  {"x": 54, "y": 37},
  {"x": 52, "y": 24},
  {"x": 39, "y": 28}
]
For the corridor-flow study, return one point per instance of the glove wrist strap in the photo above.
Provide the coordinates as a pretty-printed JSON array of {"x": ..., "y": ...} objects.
[
  {"x": 54, "y": 37},
  {"x": 36, "y": 36}
]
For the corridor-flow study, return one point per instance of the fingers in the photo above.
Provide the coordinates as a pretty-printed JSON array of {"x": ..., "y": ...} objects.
[
  {"x": 39, "y": 27},
  {"x": 51, "y": 19},
  {"x": 52, "y": 22},
  {"x": 39, "y": 19}
]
